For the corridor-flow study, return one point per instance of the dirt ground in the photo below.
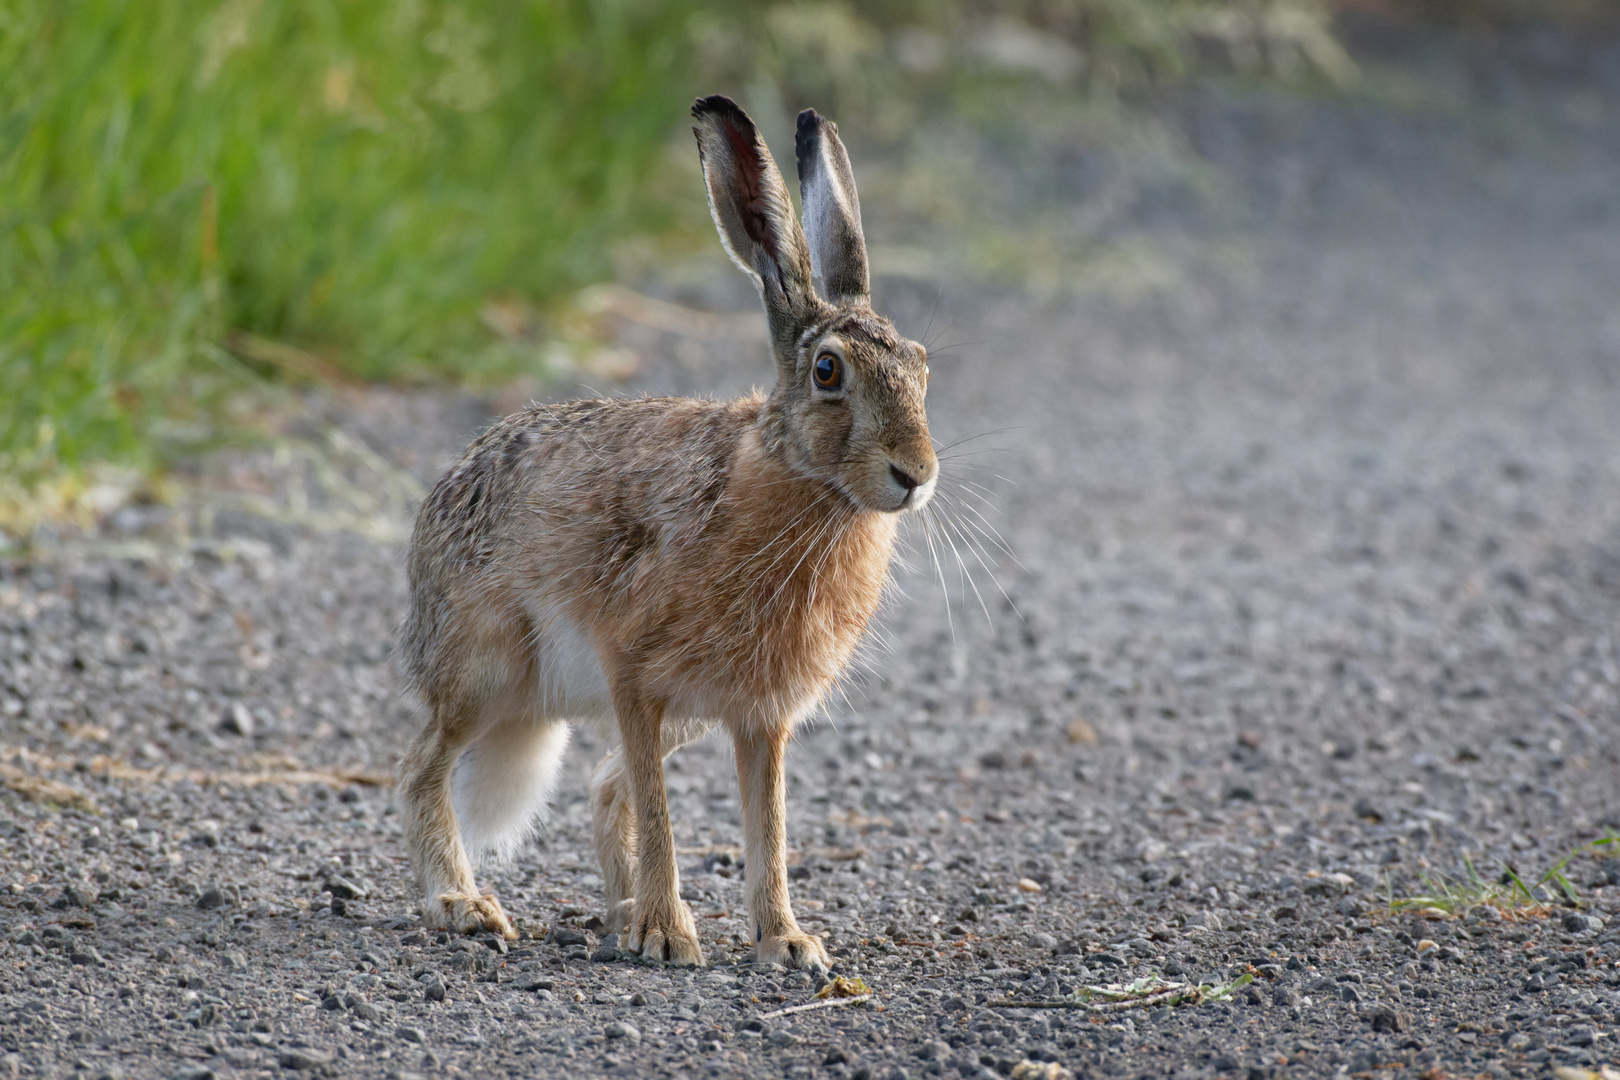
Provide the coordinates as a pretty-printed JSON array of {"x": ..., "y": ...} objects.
[{"x": 1313, "y": 594}]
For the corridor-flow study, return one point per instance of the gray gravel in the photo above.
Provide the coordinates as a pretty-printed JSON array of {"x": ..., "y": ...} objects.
[{"x": 1315, "y": 594}]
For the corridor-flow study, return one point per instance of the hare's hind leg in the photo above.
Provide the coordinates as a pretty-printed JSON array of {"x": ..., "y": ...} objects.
[
  {"x": 450, "y": 897},
  {"x": 777, "y": 937},
  {"x": 613, "y": 820},
  {"x": 498, "y": 787}
]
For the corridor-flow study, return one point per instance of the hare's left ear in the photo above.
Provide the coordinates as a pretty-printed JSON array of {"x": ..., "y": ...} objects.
[{"x": 832, "y": 210}]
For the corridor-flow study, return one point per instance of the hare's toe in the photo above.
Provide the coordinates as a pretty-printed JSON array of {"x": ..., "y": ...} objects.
[
  {"x": 466, "y": 913},
  {"x": 792, "y": 950},
  {"x": 668, "y": 939},
  {"x": 620, "y": 917}
]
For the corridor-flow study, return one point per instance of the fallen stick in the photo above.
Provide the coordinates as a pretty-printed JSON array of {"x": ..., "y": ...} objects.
[
  {"x": 808, "y": 1006},
  {"x": 1176, "y": 996}
]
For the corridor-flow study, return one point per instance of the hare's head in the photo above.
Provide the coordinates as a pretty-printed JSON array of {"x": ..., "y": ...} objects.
[{"x": 848, "y": 406}]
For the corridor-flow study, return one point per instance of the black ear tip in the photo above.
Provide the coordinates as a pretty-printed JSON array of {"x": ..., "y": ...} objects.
[
  {"x": 805, "y": 138},
  {"x": 721, "y": 106}
]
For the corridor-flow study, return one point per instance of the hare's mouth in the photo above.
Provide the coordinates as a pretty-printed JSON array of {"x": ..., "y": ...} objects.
[{"x": 906, "y": 490}]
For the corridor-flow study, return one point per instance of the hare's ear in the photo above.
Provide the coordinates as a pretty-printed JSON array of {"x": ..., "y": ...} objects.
[
  {"x": 832, "y": 210},
  {"x": 754, "y": 213}
]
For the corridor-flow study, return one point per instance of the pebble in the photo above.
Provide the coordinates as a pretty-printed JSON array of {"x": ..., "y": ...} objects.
[
  {"x": 1384, "y": 1018},
  {"x": 342, "y": 888},
  {"x": 300, "y": 1059},
  {"x": 783, "y": 1037},
  {"x": 236, "y": 720},
  {"x": 411, "y": 1035},
  {"x": 1576, "y": 922},
  {"x": 363, "y": 1009},
  {"x": 622, "y": 1030},
  {"x": 433, "y": 988},
  {"x": 211, "y": 897}
]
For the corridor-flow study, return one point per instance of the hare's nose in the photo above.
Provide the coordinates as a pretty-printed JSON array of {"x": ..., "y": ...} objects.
[{"x": 903, "y": 478}]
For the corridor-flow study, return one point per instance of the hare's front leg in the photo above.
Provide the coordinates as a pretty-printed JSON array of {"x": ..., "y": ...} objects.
[
  {"x": 660, "y": 926},
  {"x": 451, "y": 898},
  {"x": 777, "y": 937}
]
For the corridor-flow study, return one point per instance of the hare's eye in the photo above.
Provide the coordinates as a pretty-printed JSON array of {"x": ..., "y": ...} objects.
[{"x": 828, "y": 371}]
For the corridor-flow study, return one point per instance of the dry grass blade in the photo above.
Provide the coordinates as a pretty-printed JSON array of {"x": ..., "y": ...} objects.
[
  {"x": 27, "y": 783},
  {"x": 42, "y": 789},
  {"x": 1141, "y": 994}
]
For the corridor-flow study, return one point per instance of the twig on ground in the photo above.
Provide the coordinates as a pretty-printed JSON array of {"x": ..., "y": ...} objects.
[
  {"x": 1142, "y": 995},
  {"x": 810, "y": 1005}
]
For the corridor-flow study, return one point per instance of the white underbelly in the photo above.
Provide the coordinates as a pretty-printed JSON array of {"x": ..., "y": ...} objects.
[{"x": 570, "y": 681}]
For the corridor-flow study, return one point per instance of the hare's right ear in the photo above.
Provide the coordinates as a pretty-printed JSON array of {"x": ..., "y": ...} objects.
[
  {"x": 754, "y": 213},
  {"x": 832, "y": 210}
]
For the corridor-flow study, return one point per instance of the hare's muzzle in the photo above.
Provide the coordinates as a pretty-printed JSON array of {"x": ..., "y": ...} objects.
[{"x": 913, "y": 481}]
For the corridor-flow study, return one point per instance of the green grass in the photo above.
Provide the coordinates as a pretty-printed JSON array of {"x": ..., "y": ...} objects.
[
  {"x": 1456, "y": 895},
  {"x": 355, "y": 180},
  {"x": 202, "y": 195}
]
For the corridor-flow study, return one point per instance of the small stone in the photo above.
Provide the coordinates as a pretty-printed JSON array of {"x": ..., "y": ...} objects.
[
  {"x": 433, "y": 986},
  {"x": 1576, "y": 922},
  {"x": 299, "y": 1059},
  {"x": 237, "y": 721},
  {"x": 1081, "y": 733},
  {"x": 1349, "y": 993},
  {"x": 363, "y": 1009},
  {"x": 619, "y": 1029},
  {"x": 342, "y": 888},
  {"x": 783, "y": 1037},
  {"x": 1427, "y": 946},
  {"x": 1043, "y": 941},
  {"x": 411, "y": 1035},
  {"x": 566, "y": 936},
  {"x": 1284, "y": 996},
  {"x": 608, "y": 951},
  {"x": 185, "y": 1072},
  {"x": 836, "y": 1055},
  {"x": 212, "y": 897},
  {"x": 1028, "y": 885},
  {"x": 331, "y": 1003},
  {"x": 1385, "y": 1018}
]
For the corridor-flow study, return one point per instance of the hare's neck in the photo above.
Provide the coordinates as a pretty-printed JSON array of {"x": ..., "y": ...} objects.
[{"x": 829, "y": 538}]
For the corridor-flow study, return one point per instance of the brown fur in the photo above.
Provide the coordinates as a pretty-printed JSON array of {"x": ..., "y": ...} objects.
[{"x": 669, "y": 564}]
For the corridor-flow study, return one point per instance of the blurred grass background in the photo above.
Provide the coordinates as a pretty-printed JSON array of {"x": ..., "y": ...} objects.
[{"x": 200, "y": 198}]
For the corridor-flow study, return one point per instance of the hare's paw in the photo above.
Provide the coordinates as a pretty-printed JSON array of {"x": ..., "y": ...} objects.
[
  {"x": 466, "y": 913},
  {"x": 668, "y": 937},
  {"x": 795, "y": 949},
  {"x": 620, "y": 917}
]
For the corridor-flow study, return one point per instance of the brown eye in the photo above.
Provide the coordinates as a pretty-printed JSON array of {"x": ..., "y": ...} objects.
[{"x": 829, "y": 372}]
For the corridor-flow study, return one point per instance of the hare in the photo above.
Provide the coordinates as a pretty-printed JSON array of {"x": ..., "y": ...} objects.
[{"x": 670, "y": 565}]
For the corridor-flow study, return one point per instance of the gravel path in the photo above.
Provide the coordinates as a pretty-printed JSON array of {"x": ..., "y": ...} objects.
[{"x": 1315, "y": 596}]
